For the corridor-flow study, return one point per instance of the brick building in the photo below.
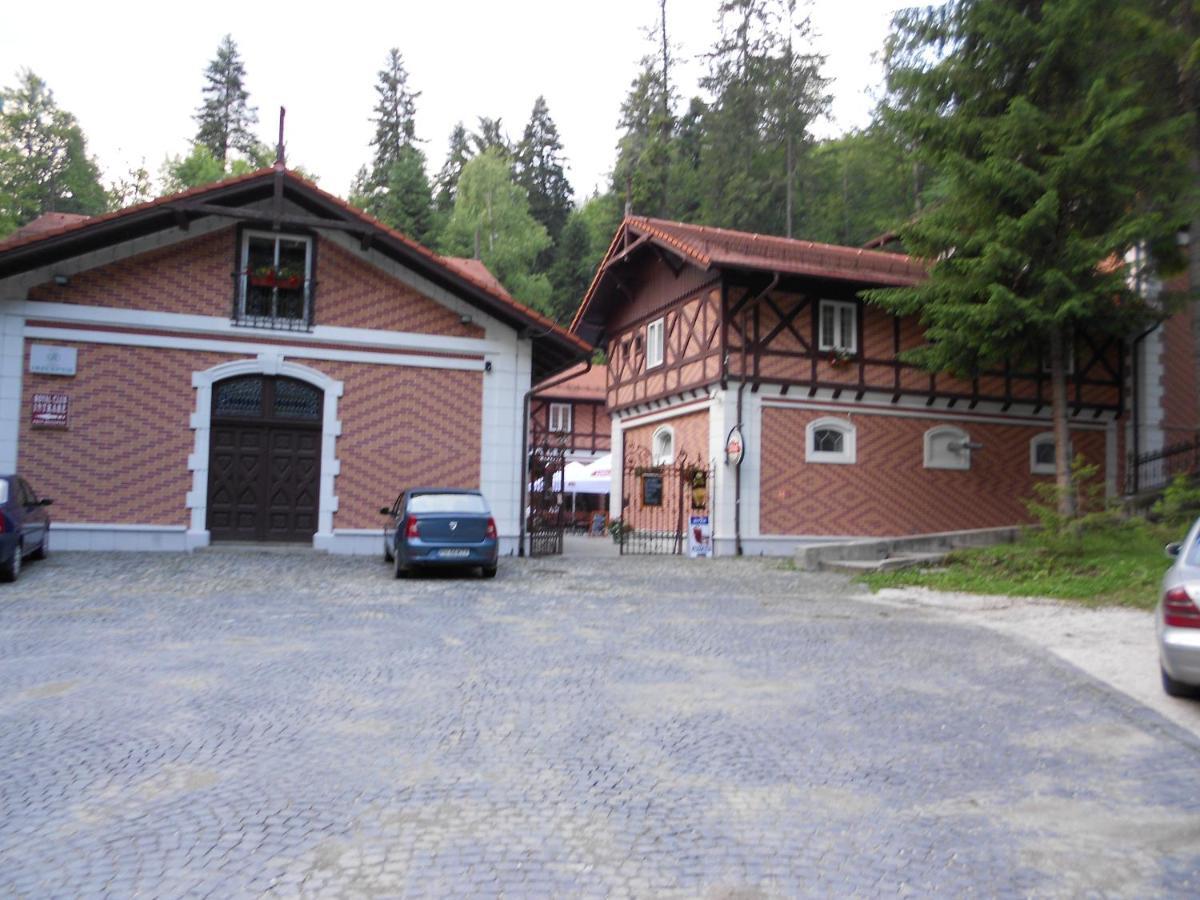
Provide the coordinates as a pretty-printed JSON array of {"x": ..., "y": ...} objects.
[
  {"x": 706, "y": 329},
  {"x": 256, "y": 360},
  {"x": 568, "y": 412}
]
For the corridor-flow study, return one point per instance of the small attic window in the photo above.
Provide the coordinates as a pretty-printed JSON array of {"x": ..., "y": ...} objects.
[{"x": 274, "y": 281}]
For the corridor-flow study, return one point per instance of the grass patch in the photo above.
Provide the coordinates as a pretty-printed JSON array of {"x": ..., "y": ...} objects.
[{"x": 1112, "y": 565}]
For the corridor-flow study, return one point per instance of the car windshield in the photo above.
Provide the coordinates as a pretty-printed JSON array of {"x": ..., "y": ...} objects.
[{"x": 446, "y": 503}]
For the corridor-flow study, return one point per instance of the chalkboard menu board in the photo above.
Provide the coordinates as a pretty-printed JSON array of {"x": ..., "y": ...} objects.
[{"x": 652, "y": 489}]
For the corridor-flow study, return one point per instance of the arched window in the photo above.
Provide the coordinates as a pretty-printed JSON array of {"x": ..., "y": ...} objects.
[
  {"x": 947, "y": 447},
  {"x": 830, "y": 440},
  {"x": 662, "y": 446},
  {"x": 1041, "y": 454}
]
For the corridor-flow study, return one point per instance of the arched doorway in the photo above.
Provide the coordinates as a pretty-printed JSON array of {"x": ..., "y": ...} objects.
[{"x": 264, "y": 469}]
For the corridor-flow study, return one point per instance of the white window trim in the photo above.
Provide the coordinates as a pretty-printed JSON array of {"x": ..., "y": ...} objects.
[
  {"x": 244, "y": 274},
  {"x": 662, "y": 459},
  {"x": 560, "y": 418},
  {"x": 840, "y": 341},
  {"x": 961, "y": 459},
  {"x": 1035, "y": 467},
  {"x": 655, "y": 343},
  {"x": 849, "y": 452}
]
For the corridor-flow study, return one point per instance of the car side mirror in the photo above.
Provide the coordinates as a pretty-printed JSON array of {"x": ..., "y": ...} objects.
[
  {"x": 46, "y": 501},
  {"x": 384, "y": 511},
  {"x": 1172, "y": 549}
]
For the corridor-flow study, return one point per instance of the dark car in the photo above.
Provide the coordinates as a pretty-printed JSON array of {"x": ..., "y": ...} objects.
[
  {"x": 24, "y": 525},
  {"x": 440, "y": 527}
]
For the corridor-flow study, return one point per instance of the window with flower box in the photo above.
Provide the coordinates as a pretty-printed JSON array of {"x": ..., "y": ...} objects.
[
  {"x": 274, "y": 281},
  {"x": 838, "y": 326}
]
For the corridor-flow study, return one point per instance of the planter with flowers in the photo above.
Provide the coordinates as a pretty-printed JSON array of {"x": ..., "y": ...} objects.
[
  {"x": 289, "y": 279},
  {"x": 841, "y": 358},
  {"x": 263, "y": 276}
]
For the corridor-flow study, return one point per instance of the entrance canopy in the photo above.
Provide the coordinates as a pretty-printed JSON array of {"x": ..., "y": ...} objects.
[{"x": 576, "y": 478}]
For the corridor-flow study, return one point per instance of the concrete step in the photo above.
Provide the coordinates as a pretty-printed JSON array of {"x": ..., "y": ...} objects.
[{"x": 890, "y": 564}]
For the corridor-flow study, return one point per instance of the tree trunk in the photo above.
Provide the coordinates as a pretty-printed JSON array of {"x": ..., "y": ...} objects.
[{"x": 1067, "y": 501}]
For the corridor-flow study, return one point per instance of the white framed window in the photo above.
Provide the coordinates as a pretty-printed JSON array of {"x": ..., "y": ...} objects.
[
  {"x": 275, "y": 280},
  {"x": 837, "y": 322},
  {"x": 829, "y": 440},
  {"x": 654, "y": 344},
  {"x": 1041, "y": 454},
  {"x": 947, "y": 447},
  {"x": 1069, "y": 346},
  {"x": 662, "y": 446},
  {"x": 560, "y": 417}
]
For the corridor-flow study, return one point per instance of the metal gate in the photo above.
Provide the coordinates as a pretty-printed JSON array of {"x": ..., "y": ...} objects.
[
  {"x": 659, "y": 502},
  {"x": 546, "y": 514}
]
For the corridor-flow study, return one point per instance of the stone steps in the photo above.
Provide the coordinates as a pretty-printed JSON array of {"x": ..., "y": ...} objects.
[{"x": 886, "y": 554}]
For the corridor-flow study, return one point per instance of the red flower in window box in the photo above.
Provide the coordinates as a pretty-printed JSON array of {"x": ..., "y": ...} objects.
[
  {"x": 263, "y": 276},
  {"x": 289, "y": 279},
  {"x": 839, "y": 359}
]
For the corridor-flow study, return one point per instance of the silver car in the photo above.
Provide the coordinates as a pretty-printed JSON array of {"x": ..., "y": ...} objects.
[{"x": 1177, "y": 618}]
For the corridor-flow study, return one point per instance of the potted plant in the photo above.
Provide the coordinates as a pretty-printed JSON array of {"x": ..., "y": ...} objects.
[
  {"x": 840, "y": 358},
  {"x": 263, "y": 276},
  {"x": 617, "y": 528},
  {"x": 289, "y": 278}
]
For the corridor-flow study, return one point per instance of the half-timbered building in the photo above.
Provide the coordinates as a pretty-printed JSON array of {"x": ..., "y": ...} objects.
[
  {"x": 568, "y": 413},
  {"x": 257, "y": 360},
  {"x": 712, "y": 334}
]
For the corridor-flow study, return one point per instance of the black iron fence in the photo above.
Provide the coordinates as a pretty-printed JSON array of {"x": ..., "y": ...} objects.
[
  {"x": 1150, "y": 471},
  {"x": 546, "y": 517},
  {"x": 662, "y": 505}
]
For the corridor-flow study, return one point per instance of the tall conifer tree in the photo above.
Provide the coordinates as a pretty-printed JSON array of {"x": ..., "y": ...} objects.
[
  {"x": 225, "y": 117},
  {"x": 1035, "y": 113},
  {"x": 538, "y": 167}
]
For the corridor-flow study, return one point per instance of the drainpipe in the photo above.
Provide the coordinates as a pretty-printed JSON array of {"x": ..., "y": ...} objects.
[
  {"x": 1134, "y": 394},
  {"x": 737, "y": 472},
  {"x": 525, "y": 403}
]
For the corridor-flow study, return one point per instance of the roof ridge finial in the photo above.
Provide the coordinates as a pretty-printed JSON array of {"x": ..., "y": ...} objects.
[{"x": 280, "y": 162}]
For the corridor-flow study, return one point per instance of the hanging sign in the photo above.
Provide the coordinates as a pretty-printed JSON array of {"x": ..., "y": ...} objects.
[
  {"x": 735, "y": 447},
  {"x": 45, "y": 359},
  {"x": 50, "y": 411}
]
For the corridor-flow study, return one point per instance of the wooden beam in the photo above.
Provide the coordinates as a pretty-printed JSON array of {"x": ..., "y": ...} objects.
[{"x": 249, "y": 215}]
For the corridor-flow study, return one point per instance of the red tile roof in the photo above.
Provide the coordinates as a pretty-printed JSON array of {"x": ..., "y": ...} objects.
[
  {"x": 708, "y": 247},
  {"x": 485, "y": 283},
  {"x": 587, "y": 385},
  {"x": 51, "y": 221},
  {"x": 476, "y": 270}
]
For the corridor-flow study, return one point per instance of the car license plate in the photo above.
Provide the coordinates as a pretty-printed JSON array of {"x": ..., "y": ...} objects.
[{"x": 449, "y": 553}]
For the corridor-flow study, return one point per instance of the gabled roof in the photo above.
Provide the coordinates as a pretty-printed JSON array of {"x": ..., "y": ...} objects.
[
  {"x": 553, "y": 347},
  {"x": 51, "y": 221},
  {"x": 723, "y": 249},
  {"x": 589, "y": 384}
]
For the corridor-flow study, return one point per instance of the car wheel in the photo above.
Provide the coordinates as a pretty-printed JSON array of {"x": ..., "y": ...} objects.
[
  {"x": 387, "y": 552},
  {"x": 11, "y": 570},
  {"x": 1177, "y": 688},
  {"x": 488, "y": 571},
  {"x": 399, "y": 570}
]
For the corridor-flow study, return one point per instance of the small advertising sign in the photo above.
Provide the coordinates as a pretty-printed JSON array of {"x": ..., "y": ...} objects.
[
  {"x": 45, "y": 359},
  {"x": 51, "y": 411},
  {"x": 735, "y": 447},
  {"x": 699, "y": 537}
]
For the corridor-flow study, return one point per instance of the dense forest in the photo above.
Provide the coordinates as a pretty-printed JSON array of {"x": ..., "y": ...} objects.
[{"x": 741, "y": 154}]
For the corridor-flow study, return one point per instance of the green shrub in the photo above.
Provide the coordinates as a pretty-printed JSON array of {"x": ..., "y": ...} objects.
[
  {"x": 1061, "y": 535},
  {"x": 1179, "y": 504}
]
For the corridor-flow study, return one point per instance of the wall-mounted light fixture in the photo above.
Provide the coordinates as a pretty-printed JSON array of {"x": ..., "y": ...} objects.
[
  {"x": 487, "y": 365},
  {"x": 465, "y": 318},
  {"x": 62, "y": 280}
]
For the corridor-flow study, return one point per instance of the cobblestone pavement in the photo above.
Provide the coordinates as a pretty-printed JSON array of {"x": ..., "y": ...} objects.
[{"x": 235, "y": 724}]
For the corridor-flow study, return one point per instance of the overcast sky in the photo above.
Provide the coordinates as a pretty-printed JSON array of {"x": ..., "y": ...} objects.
[{"x": 132, "y": 72}]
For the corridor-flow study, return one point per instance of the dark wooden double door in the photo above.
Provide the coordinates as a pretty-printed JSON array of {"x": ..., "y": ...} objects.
[{"x": 264, "y": 470}]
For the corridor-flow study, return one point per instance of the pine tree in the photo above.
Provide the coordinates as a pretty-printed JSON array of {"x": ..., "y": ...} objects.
[
  {"x": 538, "y": 165},
  {"x": 1055, "y": 168},
  {"x": 44, "y": 164},
  {"x": 225, "y": 117},
  {"x": 447, "y": 179},
  {"x": 490, "y": 136},
  {"x": 571, "y": 272},
  {"x": 396, "y": 189}
]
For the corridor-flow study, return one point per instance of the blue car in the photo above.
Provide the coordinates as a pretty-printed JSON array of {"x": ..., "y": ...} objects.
[
  {"x": 24, "y": 525},
  {"x": 437, "y": 527}
]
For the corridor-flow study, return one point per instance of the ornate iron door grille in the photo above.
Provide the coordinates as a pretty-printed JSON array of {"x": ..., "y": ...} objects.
[
  {"x": 546, "y": 510},
  {"x": 658, "y": 502}
]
